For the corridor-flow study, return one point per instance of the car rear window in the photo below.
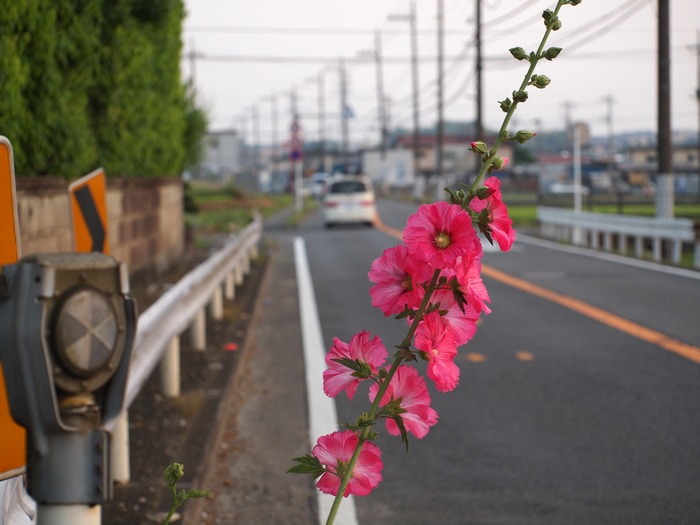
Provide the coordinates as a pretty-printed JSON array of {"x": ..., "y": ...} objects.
[{"x": 348, "y": 186}]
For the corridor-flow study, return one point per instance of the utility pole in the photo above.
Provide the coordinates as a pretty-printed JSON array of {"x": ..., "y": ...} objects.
[
  {"x": 193, "y": 63},
  {"x": 609, "y": 102},
  {"x": 344, "y": 110},
  {"x": 255, "y": 117},
  {"x": 440, "y": 124},
  {"x": 664, "y": 178},
  {"x": 477, "y": 39},
  {"x": 296, "y": 153},
  {"x": 381, "y": 112},
  {"x": 321, "y": 122},
  {"x": 413, "y": 20},
  {"x": 275, "y": 140},
  {"x": 697, "y": 92},
  {"x": 416, "y": 105}
]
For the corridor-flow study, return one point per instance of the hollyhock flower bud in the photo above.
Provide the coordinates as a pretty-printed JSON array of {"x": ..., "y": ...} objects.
[
  {"x": 505, "y": 105},
  {"x": 540, "y": 81},
  {"x": 484, "y": 192},
  {"x": 518, "y": 53},
  {"x": 523, "y": 136},
  {"x": 499, "y": 162},
  {"x": 552, "y": 53},
  {"x": 519, "y": 96},
  {"x": 479, "y": 147}
]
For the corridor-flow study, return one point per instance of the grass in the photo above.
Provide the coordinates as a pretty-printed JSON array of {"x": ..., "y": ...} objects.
[{"x": 223, "y": 208}]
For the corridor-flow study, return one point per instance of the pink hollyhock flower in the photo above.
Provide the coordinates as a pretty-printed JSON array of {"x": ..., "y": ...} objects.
[
  {"x": 398, "y": 277},
  {"x": 440, "y": 233},
  {"x": 334, "y": 452},
  {"x": 367, "y": 352},
  {"x": 434, "y": 338},
  {"x": 408, "y": 390},
  {"x": 468, "y": 274},
  {"x": 462, "y": 325},
  {"x": 499, "y": 222}
]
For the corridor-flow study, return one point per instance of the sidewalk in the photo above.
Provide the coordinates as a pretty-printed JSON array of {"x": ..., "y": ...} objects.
[{"x": 263, "y": 415}]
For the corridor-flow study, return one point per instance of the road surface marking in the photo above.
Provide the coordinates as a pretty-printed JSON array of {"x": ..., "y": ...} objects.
[
  {"x": 524, "y": 356},
  {"x": 475, "y": 357},
  {"x": 664, "y": 341},
  {"x": 690, "y": 352},
  {"x": 323, "y": 417}
]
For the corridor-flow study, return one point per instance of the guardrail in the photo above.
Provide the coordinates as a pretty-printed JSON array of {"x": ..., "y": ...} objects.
[
  {"x": 182, "y": 308},
  {"x": 602, "y": 229}
]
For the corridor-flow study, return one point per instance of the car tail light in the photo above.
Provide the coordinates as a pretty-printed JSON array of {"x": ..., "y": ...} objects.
[{"x": 331, "y": 204}]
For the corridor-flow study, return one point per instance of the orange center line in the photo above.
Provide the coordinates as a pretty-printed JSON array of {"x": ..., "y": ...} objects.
[{"x": 690, "y": 352}]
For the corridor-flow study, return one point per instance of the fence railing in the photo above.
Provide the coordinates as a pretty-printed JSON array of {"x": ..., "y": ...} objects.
[
  {"x": 182, "y": 308},
  {"x": 610, "y": 232}
]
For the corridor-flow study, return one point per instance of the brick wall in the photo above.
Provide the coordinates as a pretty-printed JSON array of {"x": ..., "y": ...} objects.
[{"x": 146, "y": 221}]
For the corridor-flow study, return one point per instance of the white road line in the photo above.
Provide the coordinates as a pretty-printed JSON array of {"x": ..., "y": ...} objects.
[{"x": 323, "y": 418}]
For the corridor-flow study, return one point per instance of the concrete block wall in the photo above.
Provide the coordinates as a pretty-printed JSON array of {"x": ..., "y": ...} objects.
[{"x": 145, "y": 216}]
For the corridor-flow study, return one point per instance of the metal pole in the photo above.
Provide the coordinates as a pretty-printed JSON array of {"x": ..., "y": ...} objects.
[
  {"x": 321, "y": 123},
  {"x": 344, "y": 131},
  {"x": 381, "y": 115},
  {"x": 418, "y": 190},
  {"x": 440, "y": 123},
  {"x": 577, "y": 181},
  {"x": 119, "y": 450},
  {"x": 170, "y": 369},
  {"x": 664, "y": 180},
  {"x": 298, "y": 197}
]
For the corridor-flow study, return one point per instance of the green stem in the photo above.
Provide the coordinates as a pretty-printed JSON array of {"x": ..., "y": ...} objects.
[
  {"x": 383, "y": 386},
  {"x": 503, "y": 132}
]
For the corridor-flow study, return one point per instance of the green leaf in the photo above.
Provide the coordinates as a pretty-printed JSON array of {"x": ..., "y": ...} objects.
[
  {"x": 307, "y": 464},
  {"x": 194, "y": 493}
]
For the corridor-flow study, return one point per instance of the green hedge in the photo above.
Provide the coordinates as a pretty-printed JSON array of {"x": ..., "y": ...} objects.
[{"x": 87, "y": 83}]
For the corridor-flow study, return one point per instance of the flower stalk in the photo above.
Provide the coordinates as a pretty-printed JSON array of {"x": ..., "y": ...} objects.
[
  {"x": 552, "y": 23},
  {"x": 383, "y": 385},
  {"x": 434, "y": 280}
]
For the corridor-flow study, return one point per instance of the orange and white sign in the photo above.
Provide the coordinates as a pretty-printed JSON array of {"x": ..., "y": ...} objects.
[
  {"x": 12, "y": 436},
  {"x": 88, "y": 211}
]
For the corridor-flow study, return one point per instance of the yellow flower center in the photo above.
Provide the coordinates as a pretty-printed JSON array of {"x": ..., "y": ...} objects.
[{"x": 442, "y": 240}]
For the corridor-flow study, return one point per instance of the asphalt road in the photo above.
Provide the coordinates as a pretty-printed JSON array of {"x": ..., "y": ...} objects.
[{"x": 559, "y": 418}]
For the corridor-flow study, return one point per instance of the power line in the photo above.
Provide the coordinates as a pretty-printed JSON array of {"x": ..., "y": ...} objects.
[{"x": 309, "y": 31}]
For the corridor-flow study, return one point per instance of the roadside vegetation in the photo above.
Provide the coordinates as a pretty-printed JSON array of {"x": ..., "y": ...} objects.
[{"x": 212, "y": 208}]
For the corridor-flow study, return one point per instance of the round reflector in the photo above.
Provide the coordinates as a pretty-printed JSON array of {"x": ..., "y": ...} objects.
[{"x": 86, "y": 330}]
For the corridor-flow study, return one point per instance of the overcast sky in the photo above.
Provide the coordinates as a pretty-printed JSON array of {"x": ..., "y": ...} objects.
[{"x": 254, "y": 53}]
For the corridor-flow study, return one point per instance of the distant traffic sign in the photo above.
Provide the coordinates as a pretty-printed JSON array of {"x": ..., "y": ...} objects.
[
  {"x": 88, "y": 205},
  {"x": 12, "y": 436}
]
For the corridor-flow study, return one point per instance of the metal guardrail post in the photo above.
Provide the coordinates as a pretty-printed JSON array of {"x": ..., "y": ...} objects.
[
  {"x": 121, "y": 471},
  {"x": 198, "y": 331},
  {"x": 230, "y": 286},
  {"x": 170, "y": 369},
  {"x": 239, "y": 272},
  {"x": 216, "y": 306}
]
